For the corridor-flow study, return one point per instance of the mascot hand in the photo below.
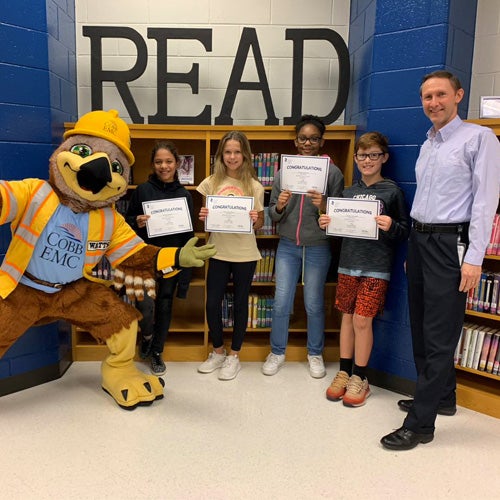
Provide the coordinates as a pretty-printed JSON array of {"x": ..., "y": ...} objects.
[
  {"x": 193, "y": 256},
  {"x": 135, "y": 282},
  {"x": 121, "y": 379},
  {"x": 137, "y": 273}
]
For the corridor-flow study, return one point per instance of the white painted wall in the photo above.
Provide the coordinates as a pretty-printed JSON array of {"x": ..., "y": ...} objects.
[
  {"x": 226, "y": 18},
  {"x": 486, "y": 63}
]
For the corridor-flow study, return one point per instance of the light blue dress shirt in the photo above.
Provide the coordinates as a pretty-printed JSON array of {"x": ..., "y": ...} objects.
[{"x": 458, "y": 180}]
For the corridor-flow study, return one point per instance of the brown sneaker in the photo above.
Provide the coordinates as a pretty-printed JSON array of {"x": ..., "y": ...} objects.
[
  {"x": 357, "y": 391},
  {"x": 338, "y": 386}
]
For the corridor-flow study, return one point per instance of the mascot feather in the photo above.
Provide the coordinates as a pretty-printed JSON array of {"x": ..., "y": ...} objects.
[{"x": 61, "y": 229}]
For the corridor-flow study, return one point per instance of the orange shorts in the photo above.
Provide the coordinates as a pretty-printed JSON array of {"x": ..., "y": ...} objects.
[{"x": 361, "y": 295}]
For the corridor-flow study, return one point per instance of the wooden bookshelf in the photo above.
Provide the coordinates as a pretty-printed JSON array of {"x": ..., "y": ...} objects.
[
  {"x": 188, "y": 336},
  {"x": 479, "y": 390}
]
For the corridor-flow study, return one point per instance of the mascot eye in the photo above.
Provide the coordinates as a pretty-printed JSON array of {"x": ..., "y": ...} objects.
[
  {"x": 81, "y": 150},
  {"x": 116, "y": 166}
]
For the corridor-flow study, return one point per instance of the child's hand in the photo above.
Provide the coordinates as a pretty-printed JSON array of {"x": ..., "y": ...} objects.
[
  {"x": 384, "y": 222},
  {"x": 316, "y": 199},
  {"x": 254, "y": 215},
  {"x": 203, "y": 213},
  {"x": 324, "y": 220},
  {"x": 283, "y": 199}
]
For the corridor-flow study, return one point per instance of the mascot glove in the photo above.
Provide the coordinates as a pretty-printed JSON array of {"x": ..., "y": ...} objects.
[
  {"x": 121, "y": 379},
  {"x": 193, "y": 256},
  {"x": 135, "y": 281}
]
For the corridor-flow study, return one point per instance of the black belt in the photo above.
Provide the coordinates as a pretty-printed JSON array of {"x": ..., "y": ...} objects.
[
  {"x": 421, "y": 227},
  {"x": 42, "y": 282}
]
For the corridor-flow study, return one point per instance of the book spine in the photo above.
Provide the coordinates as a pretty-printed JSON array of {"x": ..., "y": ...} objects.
[
  {"x": 478, "y": 349},
  {"x": 496, "y": 363},
  {"x": 494, "y": 294},
  {"x": 485, "y": 351},
  {"x": 490, "y": 249},
  {"x": 493, "y": 352},
  {"x": 465, "y": 348},
  {"x": 472, "y": 347},
  {"x": 482, "y": 287}
]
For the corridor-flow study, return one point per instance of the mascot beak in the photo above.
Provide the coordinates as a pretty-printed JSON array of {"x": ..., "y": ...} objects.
[{"x": 94, "y": 175}]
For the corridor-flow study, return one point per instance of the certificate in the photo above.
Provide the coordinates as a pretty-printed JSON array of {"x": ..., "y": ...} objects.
[
  {"x": 353, "y": 218},
  {"x": 229, "y": 214},
  {"x": 168, "y": 216},
  {"x": 302, "y": 173}
]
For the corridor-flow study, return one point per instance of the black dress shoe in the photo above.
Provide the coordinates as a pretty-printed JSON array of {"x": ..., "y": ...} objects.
[
  {"x": 404, "y": 439},
  {"x": 405, "y": 405}
]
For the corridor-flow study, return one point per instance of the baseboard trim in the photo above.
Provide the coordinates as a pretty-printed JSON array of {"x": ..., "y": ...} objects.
[
  {"x": 391, "y": 382},
  {"x": 32, "y": 378}
]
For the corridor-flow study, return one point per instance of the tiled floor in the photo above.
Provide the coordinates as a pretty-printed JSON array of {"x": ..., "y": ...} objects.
[{"x": 255, "y": 437}]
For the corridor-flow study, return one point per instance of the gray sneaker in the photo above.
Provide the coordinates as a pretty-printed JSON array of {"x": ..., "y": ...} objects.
[
  {"x": 230, "y": 368},
  {"x": 273, "y": 363},
  {"x": 213, "y": 362},
  {"x": 316, "y": 366}
]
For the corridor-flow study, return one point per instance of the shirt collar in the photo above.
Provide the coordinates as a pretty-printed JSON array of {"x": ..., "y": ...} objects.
[{"x": 445, "y": 132}]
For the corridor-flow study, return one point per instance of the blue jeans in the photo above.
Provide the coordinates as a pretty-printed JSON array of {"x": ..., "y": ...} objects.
[{"x": 290, "y": 259}]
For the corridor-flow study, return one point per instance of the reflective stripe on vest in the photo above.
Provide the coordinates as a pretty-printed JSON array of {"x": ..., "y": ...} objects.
[{"x": 9, "y": 202}]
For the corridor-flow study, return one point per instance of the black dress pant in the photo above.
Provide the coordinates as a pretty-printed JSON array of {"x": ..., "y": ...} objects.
[{"x": 437, "y": 310}]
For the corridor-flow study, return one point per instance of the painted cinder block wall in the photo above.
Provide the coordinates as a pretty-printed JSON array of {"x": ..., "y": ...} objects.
[
  {"x": 392, "y": 45},
  {"x": 38, "y": 94}
]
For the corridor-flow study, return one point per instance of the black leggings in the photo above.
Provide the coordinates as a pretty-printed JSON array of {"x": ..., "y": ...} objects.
[{"x": 219, "y": 273}]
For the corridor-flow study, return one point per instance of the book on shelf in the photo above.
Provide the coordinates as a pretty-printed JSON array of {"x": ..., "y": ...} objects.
[
  {"x": 264, "y": 270},
  {"x": 492, "y": 247},
  {"x": 457, "y": 357},
  {"x": 494, "y": 294},
  {"x": 485, "y": 350},
  {"x": 496, "y": 363},
  {"x": 266, "y": 166},
  {"x": 467, "y": 335},
  {"x": 185, "y": 169},
  {"x": 259, "y": 311},
  {"x": 485, "y": 296},
  {"x": 269, "y": 226},
  {"x": 472, "y": 346},
  {"x": 493, "y": 352},
  {"x": 478, "y": 348}
]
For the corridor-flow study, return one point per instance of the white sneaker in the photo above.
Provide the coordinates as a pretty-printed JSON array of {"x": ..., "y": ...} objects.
[
  {"x": 273, "y": 363},
  {"x": 213, "y": 362},
  {"x": 230, "y": 367},
  {"x": 316, "y": 366}
]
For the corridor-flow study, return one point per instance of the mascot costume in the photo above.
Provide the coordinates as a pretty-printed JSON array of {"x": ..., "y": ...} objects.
[{"x": 61, "y": 229}]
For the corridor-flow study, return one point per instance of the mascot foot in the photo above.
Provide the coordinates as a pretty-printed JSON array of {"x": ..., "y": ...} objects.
[
  {"x": 131, "y": 388},
  {"x": 124, "y": 394},
  {"x": 121, "y": 379}
]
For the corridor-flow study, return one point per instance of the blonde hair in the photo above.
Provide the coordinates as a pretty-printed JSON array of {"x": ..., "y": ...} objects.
[{"x": 246, "y": 171}]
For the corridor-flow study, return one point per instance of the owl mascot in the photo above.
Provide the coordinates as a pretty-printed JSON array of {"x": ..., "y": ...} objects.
[{"x": 61, "y": 229}]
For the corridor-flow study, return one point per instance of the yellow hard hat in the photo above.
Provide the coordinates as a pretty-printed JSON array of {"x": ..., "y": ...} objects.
[{"x": 106, "y": 125}]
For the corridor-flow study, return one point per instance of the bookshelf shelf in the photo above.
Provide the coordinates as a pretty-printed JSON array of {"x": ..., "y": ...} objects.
[
  {"x": 188, "y": 338},
  {"x": 476, "y": 389},
  {"x": 477, "y": 372}
]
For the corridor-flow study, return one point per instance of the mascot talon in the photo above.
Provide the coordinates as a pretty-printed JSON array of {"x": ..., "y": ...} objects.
[
  {"x": 62, "y": 229},
  {"x": 121, "y": 379}
]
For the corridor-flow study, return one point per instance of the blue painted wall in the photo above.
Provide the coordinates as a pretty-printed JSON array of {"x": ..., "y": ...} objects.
[
  {"x": 37, "y": 95},
  {"x": 392, "y": 44}
]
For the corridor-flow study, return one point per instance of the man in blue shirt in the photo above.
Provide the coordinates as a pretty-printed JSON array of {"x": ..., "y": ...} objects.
[{"x": 458, "y": 175}]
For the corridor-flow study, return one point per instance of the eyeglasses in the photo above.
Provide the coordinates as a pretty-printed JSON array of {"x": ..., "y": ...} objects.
[
  {"x": 372, "y": 156},
  {"x": 302, "y": 139}
]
